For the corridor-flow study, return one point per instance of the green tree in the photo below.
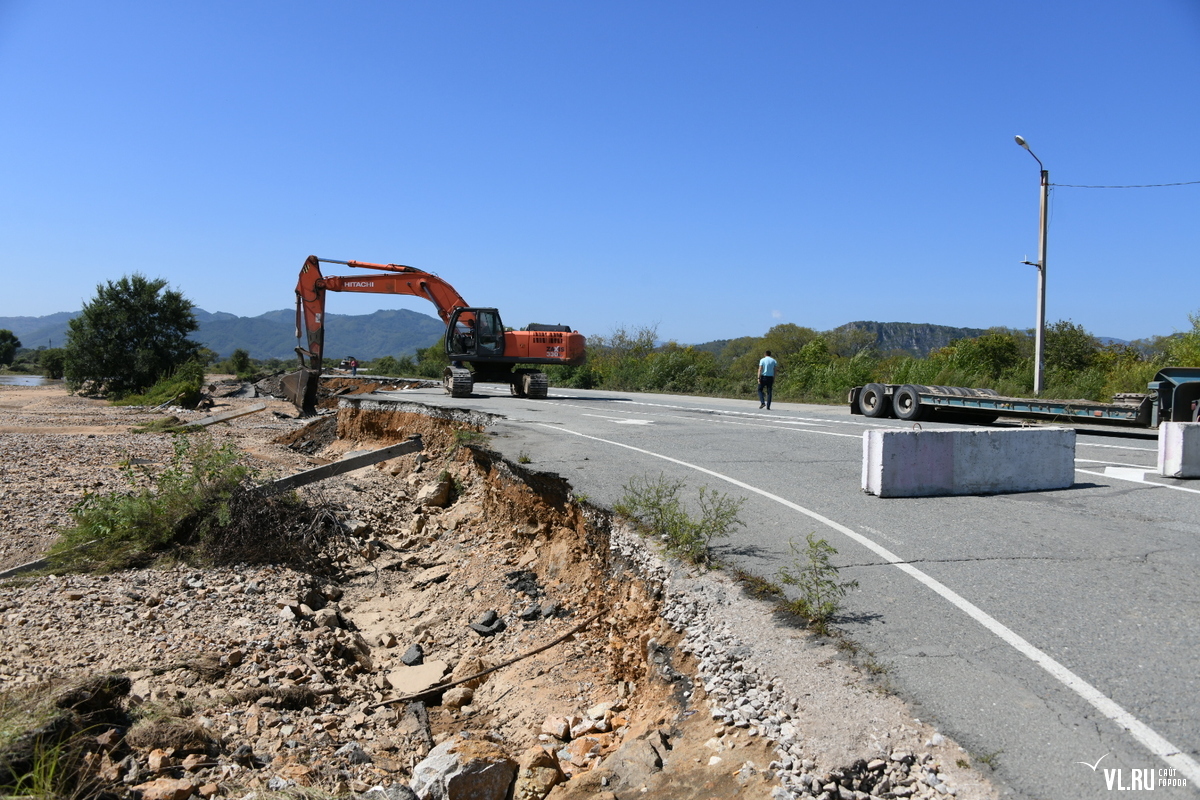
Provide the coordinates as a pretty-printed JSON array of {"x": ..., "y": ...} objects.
[
  {"x": 390, "y": 365},
  {"x": 133, "y": 332},
  {"x": 240, "y": 361},
  {"x": 51, "y": 362},
  {"x": 990, "y": 355},
  {"x": 8, "y": 346},
  {"x": 1069, "y": 346},
  {"x": 783, "y": 340},
  {"x": 1183, "y": 350},
  {"x": 432, "y": 360}
]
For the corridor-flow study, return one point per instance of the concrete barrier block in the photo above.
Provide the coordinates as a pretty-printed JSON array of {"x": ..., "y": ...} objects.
[
  {"x": 904, "y": 463},
  {"x": 1179, "y": 450}
]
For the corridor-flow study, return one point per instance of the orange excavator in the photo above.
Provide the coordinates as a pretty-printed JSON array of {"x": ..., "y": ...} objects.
[{"x": 474, "y": 336}]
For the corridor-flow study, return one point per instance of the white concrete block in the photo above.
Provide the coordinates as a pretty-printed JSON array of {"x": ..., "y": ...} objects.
[
  {"x": 1179, "y": 449},
  {"x": 905, "y": 463}
]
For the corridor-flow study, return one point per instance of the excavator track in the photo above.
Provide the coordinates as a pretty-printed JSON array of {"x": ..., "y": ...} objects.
[
  {"x": 457, "y": 381},
  {"x": 529, "y": 383},
  {"x": 536, "y": 385}
]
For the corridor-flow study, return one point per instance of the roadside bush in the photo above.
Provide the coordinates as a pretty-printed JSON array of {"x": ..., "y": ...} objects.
[
  {"x": 182, "y": 388},
  {"x": 402, "y": 367},
  {"x": 1184, "y": 350},
  {"x": 816, "y": 578},
  {"x": 829, "y": 381},
  {"x": 200, "y": 509},
  {"x": 655, "y": 505},
  {"x": 432, "y": 361},
  {"x": 681, "y": 370}
]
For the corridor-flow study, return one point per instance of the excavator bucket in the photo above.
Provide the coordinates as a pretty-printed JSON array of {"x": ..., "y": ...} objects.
[{"x": 300, "y": 388}]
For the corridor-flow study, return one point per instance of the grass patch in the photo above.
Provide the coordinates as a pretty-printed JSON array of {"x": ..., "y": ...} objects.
[
  {"x": 47, "y": 731},
  {"x": 182, "y": 388},
  {"x": 202, "y": 509},
  {"x": 655, "y": 505},
  {"x": 464, "y": 437},
  {"x": 756, "y": 586},
  {"x": 523, "y": 458},
  {"x": 816, "y": 579}
]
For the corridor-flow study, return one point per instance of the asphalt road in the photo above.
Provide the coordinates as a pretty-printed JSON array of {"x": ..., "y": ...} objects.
[{"x": 1043, "y": 631}]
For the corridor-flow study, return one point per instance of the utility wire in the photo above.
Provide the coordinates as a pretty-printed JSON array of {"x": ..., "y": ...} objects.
[{"x": 1140, "y": 186}]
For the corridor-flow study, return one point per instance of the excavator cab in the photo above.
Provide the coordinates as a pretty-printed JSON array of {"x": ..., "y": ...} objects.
[{"x": 474, "y": 334}]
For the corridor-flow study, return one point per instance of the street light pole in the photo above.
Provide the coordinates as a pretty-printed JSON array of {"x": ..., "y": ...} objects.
[{"x": 1039, "y": 341}]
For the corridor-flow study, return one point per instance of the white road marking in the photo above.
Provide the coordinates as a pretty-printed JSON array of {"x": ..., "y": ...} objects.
[
  {"x": 620, "y": 421},
  {"x": 1140, "y": 731},
  {"x": 1127, "y": 473},
  {"x": 1118, "y": 447},
  {"x": 1142, "y": 480},
  {"x": 779, "y": 427},
  {"x": 1142, "y": 467},
  {"x": 714, "y": 419}
]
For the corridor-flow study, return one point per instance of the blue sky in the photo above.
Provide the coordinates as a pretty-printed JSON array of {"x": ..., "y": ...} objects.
[{"x": 709, "y": 168}]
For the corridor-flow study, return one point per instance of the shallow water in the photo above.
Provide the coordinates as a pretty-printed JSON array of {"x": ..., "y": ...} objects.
[{"x": 25, "y": 380}]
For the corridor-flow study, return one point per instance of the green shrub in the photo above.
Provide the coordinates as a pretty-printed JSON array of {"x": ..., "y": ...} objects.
[
  {"x": 432, "y": 361},
  {"x": 118, "y": 530},
  {"x": 181, "y": 389},
  {"x": 51, "y": 362},
  {"x": 654, "y": 503},
  {"x": 202, "y": 508},
  {"x": 389, "y": 365},
  {"x": 821, "y": 592}
]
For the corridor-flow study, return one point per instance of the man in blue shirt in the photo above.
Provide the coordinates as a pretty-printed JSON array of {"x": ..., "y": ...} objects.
[{"x": 766, "y": 380}]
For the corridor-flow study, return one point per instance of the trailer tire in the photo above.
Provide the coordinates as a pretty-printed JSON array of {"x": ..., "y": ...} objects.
[
  {"x": 873, "y": 401},
  {"x": 906, "y": 403}
]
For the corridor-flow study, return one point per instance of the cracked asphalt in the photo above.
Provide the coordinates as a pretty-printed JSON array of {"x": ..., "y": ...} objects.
[{"x": 1101, "y": 577}]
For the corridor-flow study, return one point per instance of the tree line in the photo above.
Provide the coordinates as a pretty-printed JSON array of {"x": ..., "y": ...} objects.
[
  {"x": 134, "y": 334},
  {"x": 821, "y": 367}
]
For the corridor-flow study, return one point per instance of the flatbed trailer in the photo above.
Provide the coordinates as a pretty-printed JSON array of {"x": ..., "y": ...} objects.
[{"x": 1173, "y": 396}]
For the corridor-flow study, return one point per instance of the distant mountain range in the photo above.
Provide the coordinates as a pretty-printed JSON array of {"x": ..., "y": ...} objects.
[
  {"x": 396, "y": 332},
  {"x": 401, "y": 332}
]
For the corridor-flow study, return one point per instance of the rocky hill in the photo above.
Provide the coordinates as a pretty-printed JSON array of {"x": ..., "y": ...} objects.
[{"x": 914, "y": 338}]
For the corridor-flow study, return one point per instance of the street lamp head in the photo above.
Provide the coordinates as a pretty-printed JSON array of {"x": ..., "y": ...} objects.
[{"x": 1021, "y": 141}]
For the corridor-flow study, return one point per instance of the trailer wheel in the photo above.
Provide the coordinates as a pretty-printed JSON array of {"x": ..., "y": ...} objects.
[
  {"x": 906, "y": 402},
  {"x": 873, "y": 401}
]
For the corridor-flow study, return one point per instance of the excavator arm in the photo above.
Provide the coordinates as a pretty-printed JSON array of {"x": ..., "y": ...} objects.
[{"x": 397, "y": 279}]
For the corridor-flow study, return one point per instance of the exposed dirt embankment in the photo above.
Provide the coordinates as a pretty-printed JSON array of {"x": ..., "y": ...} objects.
[{"x": 482, "y": 626}]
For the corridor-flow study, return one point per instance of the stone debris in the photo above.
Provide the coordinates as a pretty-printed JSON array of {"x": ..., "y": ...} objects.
[{"x": 462, "y": 768}]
